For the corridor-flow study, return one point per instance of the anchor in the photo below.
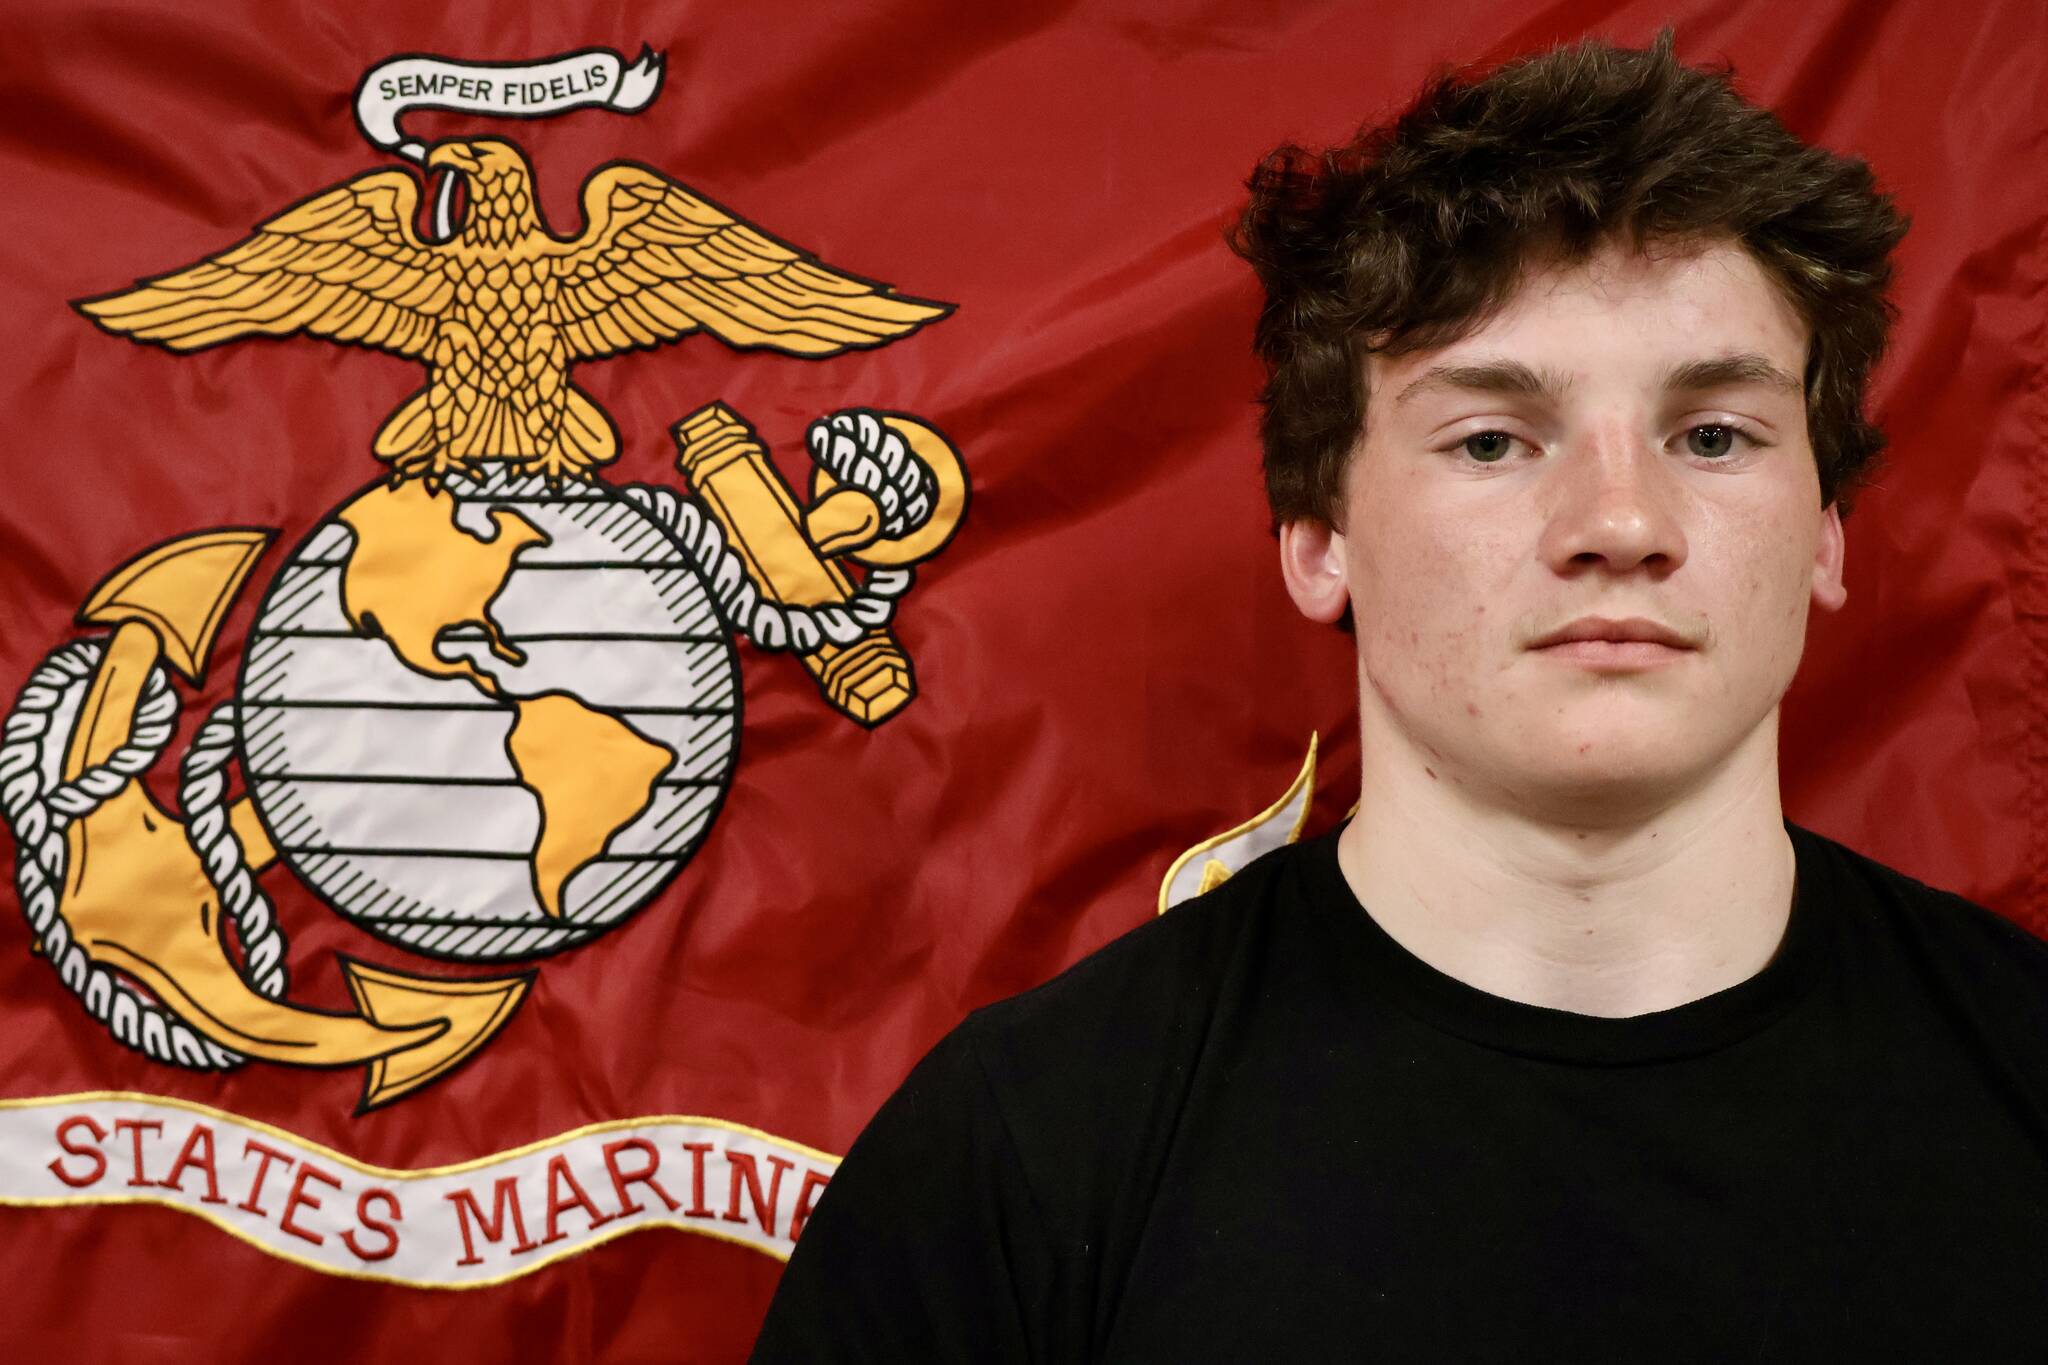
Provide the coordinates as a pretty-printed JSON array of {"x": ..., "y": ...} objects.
[{"x": 137, "y": 897}]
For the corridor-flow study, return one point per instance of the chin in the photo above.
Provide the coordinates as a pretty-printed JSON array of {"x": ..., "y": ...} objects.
[
  {"x": 1607, "y": 778},
  {"x": 1607, "y": 800}
]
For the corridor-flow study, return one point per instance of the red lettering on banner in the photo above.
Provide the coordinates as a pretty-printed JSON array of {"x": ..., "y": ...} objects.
[
  {"x": 298, "y": 1199},
  {"x": 644, "y": 1176},
  {"x": 504, "y": 1204},
  {"x": 806, "y": 1200},
  {"x": 135, "y": 1128},
  {"x": 296, "y": 1204},
  {"x": 269, "y": 1154},
  {"x": 743, "y": 1169},
  {"x": 559, "y": 1175},
  {"x": 390, "y": 1230},
  {"x": 196, "y": 1153},
  {"x": 493, "y": 1229},
  {"x": 698, "y": 1208},
  {"x": 92, "y": 1154}
]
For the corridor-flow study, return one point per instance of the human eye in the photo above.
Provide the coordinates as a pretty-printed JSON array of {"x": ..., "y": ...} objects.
[
  {"x": 1717, "y": 440},
  {"x": 1487, "y": 447}
]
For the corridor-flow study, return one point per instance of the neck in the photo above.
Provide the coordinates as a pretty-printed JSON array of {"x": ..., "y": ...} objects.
[{"x": 1635, "y": 911}]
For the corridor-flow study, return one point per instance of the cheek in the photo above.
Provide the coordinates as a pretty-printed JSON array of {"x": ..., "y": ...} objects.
[
  {"x": 1767, "y": 593},
  {"x": 1426, "y": 606},
  {"x": 1778, "y": 542},
  {"x": 1793, "y": 601}
]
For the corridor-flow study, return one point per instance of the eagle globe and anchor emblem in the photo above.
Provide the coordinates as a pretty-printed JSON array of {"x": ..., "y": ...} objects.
[{"x": 489, "y": 707}]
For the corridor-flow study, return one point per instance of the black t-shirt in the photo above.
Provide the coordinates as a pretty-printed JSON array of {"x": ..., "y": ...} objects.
[{"x": 1260, "y": 1129}]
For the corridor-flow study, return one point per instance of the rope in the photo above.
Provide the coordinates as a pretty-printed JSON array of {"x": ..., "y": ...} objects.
[
  {"x": 201, "y": 787},
  {"x": 39, "y": 816},
  {"x": 857, "y": 450}
]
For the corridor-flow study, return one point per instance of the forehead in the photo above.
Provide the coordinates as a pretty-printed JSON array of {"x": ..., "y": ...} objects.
[{"x": 1625, "y": 315}]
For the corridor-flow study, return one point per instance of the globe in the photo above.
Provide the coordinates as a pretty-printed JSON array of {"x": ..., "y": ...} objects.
[{"x": 488, "y": 721}]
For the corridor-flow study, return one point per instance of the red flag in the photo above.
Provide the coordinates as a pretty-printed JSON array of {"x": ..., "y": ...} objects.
[{"x": 453, "y": 915}]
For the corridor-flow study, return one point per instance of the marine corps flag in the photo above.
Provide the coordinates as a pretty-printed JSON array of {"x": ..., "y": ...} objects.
[{"x": 575, "y": 589}]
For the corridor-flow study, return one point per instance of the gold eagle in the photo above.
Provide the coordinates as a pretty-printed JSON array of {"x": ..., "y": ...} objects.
[{"x": 500, "y": 310}]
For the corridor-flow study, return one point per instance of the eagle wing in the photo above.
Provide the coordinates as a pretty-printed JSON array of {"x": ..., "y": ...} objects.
[
  {"x": 656, "y": 262},
  {"x": 344, "y": 264}
]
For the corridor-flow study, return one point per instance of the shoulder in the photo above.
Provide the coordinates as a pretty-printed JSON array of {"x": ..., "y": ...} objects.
[
  {"x": 1878, "y": 889},
  {"x": 1147, "y": 994},
  {"x": 1090, "y": 1071},
  {"x": 986, "y": 1211},
  {"x": 1944, "y": 937}
]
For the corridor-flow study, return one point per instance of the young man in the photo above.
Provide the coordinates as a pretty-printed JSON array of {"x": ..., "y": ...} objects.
[{"x": 1568, "y": 1045}]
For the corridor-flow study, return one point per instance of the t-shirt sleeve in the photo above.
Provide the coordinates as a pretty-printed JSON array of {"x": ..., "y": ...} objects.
[{"x": 927, "y": 1245}]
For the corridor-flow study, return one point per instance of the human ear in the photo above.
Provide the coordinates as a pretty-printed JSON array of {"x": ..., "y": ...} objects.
[
  {"x": 1828, "y": 591},
  {"x": 1312, "y": 562}
]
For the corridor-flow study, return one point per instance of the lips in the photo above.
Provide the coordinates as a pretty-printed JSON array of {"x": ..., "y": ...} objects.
[{"x": 1632, "y": 630}]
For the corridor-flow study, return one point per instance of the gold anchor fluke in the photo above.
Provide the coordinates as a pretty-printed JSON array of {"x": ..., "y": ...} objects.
[{"x": 138, "y": 899}]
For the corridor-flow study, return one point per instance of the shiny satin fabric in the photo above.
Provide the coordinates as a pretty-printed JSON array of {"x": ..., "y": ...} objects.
[{"x": 1108, "y": 670}]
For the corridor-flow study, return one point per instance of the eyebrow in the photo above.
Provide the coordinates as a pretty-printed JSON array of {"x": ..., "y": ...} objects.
[
  {"x": 1490, "y": 376},
  {"x": 1724, "y": 371},
  {"x": 1513, "y": 377}
]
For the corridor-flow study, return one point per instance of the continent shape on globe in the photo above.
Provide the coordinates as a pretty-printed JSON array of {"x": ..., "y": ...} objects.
[{"x": 417, "y": 572}]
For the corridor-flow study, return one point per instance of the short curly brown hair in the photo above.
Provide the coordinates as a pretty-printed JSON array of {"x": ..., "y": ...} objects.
[{"x": 1412, "y": 234}]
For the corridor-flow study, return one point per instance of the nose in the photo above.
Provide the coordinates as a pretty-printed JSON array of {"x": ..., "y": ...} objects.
[{"x": 1614, "y": 506}]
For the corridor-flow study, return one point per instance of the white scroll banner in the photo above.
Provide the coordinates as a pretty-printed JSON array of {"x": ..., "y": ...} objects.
[
  {"x": 446, "y": 1227},
  {"x": 595, "y": 76},
  {"x": 1213, "y": 861}
]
